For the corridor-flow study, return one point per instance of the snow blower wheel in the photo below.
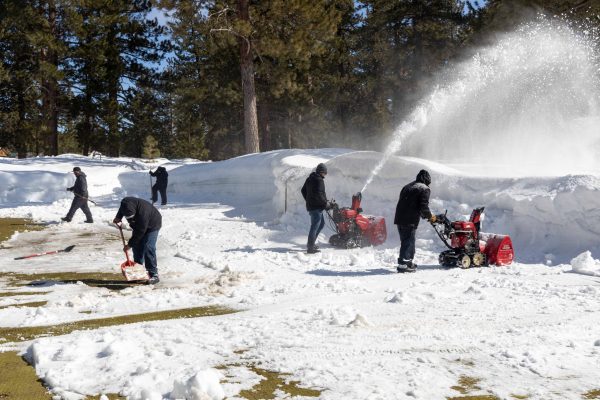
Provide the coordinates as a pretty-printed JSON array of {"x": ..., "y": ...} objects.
[
  {"x": 464, "y": 262},
  {"x": 478, "y": 259}
]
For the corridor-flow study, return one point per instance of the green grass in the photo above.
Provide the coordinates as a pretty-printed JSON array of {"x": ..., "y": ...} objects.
[
  {"x": 29, "y": 333},
  {"x": 108, "y": 280},
  {"x": 8, "y": 226},
  {"x": 273, "y": 381},
  {"x": 12, "y": 294},
  {"x": 592, "y": 394},
  {"x": 18, "y": 380},
  {"x": 31, "y": 304},
  {"x": 468, "y": 384}
]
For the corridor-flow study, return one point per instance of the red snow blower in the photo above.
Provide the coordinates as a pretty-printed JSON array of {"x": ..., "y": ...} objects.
[
  {"x": 468, "y": 246},
  {"x": 354, "y": 229}
]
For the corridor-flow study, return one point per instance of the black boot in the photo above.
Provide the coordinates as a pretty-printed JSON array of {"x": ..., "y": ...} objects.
[{"x": 313, "y": 250}]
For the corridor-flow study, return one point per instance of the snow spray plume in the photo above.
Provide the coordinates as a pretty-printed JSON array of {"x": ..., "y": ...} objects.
[{"x": 532, "y": 100}]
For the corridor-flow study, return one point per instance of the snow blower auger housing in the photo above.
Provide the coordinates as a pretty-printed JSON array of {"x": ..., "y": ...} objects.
[
  {"x": 354, "y": 229},
  {"x": 467, "y": 246}
]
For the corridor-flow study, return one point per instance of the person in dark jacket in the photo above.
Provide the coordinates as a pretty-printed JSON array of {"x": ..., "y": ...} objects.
[
  {"x": 145, "y": 221},
  {"x": 413, "y": 204},
  {"x": 80, "y": 200},
  {"x": 162, "y": 179},
  {"x": 313, "y": 192}
]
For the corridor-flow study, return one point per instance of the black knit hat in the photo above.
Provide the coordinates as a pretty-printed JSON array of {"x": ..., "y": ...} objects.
[
  {"x": 321, "y": 168},
  {"x": 424, "y": 177},
  {"x": 76, "y": 169}
]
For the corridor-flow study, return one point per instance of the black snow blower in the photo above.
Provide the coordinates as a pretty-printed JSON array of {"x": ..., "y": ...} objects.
[
  {"x": 467, "y": 246},
  {"x": 354, "y": 229}
]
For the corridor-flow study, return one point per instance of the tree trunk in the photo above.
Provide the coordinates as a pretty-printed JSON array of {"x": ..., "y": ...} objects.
[
  {"x": 265, "y": 127},
  {"x": 112, "y": 118},
  {"x": 21, "y": 140},
  {"x": 247, "y": 70},
  {"x": 50, "y": 92}
]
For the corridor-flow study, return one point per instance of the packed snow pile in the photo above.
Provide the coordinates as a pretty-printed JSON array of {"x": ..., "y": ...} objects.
[
  {"x": 585, "y": 264},
  {"x": 202, "y": 386}
]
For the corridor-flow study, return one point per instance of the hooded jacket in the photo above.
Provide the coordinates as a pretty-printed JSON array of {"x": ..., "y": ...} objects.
[
  {"x": 313, "y": 192},
  {"x": 142, "y": 216},
  {"x": 414, "y": 201},
  {"x": 80, "y": 186}
]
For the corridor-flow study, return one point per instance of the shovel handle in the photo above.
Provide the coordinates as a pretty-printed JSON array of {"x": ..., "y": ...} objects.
[{"x": 119, "y": 225}]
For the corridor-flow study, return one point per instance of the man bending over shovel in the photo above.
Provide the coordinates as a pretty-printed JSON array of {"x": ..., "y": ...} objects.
[{"x": 146, "y": 221}]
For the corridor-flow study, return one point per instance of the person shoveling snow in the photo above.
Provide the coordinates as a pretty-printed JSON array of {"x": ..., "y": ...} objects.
[{"x": 146, "y": 221}]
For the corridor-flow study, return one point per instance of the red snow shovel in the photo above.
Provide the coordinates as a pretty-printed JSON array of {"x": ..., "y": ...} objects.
[
  {"x": 65, "y": 250},
  {"x": 131, "y": 270}
]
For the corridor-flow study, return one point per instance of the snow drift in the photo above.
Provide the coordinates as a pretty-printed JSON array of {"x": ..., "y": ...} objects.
[{"x": 548, "y": 218}]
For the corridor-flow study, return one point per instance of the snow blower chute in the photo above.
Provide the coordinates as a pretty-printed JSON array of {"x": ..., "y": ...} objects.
[
  {"x": 468, "y": 246},
  {"x": 354, "y": 229}
]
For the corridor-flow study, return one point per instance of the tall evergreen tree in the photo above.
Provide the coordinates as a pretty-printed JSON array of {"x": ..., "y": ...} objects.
[{"x": 114, "y": 44}]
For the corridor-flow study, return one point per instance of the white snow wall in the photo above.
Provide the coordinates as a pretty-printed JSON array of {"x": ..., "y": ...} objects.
[{"x": 548, "y": 218}]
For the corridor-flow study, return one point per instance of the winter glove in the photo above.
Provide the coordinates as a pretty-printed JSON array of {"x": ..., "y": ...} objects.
[
  {"x": 69, "y": 189},
  {"x": 433, "y": 219},
  {"x": 116, "y": 221}
]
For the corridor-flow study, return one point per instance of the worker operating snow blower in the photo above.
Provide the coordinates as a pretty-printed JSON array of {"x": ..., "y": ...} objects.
[
  {"x": 354, "y": 229},
  {"x": 468, "y": 246}
]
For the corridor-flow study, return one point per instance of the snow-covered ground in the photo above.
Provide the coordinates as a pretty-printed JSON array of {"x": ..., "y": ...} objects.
[{"x": 341, "y": 321}]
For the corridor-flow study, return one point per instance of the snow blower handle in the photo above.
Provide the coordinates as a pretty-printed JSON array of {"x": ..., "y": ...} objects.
[{"x": 120, "y": 226}]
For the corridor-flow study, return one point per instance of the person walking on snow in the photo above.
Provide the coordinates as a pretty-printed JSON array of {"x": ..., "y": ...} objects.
[
  {"x": 80, "y": 200},
  {"x": 412, "y": 205},
  {"x": 162, "y": 179},
  {"x": 145, "y": 221},
  {"x": 313, "y": 192}
]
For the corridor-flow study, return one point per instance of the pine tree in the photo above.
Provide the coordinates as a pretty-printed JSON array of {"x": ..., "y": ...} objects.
[
  {"x": 114, "y": 44},
  {"x": 19, "y": 73},
  {"x": 404, "y": 44},
  {"x": 150, "y": 149}
]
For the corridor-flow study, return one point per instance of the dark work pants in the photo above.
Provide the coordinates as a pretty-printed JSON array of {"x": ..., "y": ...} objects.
[
  {"x": 78, "y": 203},
  {"x": 163, "y": 194},
  {"x": 145, "y": 253},
  {"x": 317, "y": 221},
  {"x": 407, "y": 243}
]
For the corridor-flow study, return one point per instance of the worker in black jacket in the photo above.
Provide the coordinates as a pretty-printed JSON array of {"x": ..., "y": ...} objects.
[
  {"x": 146, "y": 221},
  {"x": 80, "y": 200},
  {"x": 412, "y": 205},
  {"x": 162, "y": 179},
  {"x": 313, "y": 192}
]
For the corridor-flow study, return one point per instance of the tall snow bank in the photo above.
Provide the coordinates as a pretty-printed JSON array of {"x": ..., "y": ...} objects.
[
  {"x": 44, "y": 179},
  {"x": 548, "y": 218},
  {"x": 253, "y": 184}
]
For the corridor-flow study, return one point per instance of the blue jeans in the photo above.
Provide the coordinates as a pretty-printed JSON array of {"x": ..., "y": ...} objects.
[
  {"x": 146, "y": 251},
  {"x": 407, "y": 243},
  {"x": 316, "y": 224}
]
